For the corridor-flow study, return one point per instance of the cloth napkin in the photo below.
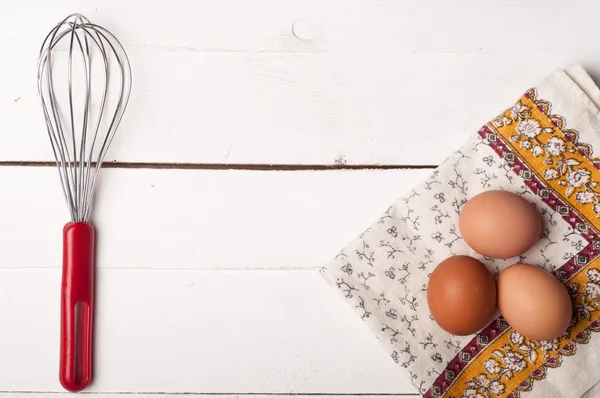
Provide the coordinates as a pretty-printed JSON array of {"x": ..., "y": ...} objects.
[{"x": 541, "y": 148}]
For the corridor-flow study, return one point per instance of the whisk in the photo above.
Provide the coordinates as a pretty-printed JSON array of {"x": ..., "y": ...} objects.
[{"x": 84, "y": 83}]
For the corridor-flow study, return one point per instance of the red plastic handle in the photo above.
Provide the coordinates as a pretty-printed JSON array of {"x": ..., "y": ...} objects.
[{"x": 77, "y": 306}]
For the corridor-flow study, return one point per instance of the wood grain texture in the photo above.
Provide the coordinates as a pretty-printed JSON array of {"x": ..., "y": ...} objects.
[
  {"x": 197, "y": 331},
  {"x": 287, "y": 82},
  {"x": 202, "y": 219}
]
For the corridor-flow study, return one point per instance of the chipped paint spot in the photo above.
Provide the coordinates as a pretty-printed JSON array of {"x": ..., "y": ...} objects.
[{"x": 340, "y": 160}]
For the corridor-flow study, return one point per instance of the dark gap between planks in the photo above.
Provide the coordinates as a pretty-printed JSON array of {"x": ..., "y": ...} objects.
[
  {"x": 273, "y": 394},
  {"x": 230, "y": 166}
]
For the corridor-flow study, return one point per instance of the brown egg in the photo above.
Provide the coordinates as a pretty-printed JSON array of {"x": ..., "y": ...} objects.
[
  {"x": 461, "y": 295},
  {"x": 499, "y": 224},
  {"x": 534, "y": 302}
]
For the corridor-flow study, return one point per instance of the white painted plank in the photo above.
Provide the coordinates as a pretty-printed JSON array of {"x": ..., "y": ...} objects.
[
  {"x": 367, "y": 81},
  {"x": 197, "y": 331},
  {"x": 334, "y": 26},
  {"x": 199, "y": 219}
]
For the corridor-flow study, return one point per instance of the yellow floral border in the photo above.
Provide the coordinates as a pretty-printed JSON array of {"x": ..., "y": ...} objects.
[
  {"x": 566, "y": 167},
  {"x": 558, "y": 159}
]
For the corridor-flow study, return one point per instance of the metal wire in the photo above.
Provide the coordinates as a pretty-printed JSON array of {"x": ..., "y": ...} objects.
[{"x": 83, "y": 113}]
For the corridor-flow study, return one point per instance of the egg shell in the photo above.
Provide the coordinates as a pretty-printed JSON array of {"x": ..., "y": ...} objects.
[
  {"x": 461, "y": 295},
  {"x": 533, "y": 302},
  {"x": 499, "y": 224}
]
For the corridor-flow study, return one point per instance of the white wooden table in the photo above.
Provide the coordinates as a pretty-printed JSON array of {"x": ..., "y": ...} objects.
[{"x": 262, "y": 135}]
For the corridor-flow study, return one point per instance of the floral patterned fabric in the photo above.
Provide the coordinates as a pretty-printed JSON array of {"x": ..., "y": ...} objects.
[{"x": 541, "y": 148}]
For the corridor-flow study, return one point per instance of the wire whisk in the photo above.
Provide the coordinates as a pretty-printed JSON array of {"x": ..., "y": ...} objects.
[
  {"x": 81, "y": 132},
  {"x": 84, "y": 83}
]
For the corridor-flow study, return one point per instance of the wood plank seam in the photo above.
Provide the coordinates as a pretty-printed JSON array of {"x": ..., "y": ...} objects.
[
  {"x": 218, "y": 394},
  {"x": 230, "y": 166}
]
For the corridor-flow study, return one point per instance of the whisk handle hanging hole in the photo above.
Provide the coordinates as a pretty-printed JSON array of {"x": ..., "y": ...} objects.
[{"x": 77, "y": 306}]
